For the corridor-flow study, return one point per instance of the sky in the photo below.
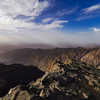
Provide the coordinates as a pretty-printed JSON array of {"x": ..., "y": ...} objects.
[{"x": 56, "y": 23}]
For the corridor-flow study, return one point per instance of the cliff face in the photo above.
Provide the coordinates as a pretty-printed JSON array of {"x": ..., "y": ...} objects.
[
  {"x": 92, "y": 58},
  {"x": 52, "y": 63}
]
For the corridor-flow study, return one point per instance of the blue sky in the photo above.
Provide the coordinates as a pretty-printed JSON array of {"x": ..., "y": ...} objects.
[
  {"x": 51, "y": 22},
  {"x": 74, "y": 12}
]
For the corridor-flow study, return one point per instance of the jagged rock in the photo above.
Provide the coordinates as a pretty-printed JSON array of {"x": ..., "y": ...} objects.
[
  {"x": 76, "y": 81},
  {"x": 16, "y": 74},
  {"x": 92, "y": 58}
]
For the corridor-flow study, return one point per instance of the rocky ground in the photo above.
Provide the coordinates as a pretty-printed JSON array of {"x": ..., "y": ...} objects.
[{"x": 75, "y": 81}]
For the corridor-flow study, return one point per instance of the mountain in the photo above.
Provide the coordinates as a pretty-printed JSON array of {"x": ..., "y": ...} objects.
[
  {"x": 50, "y": 74},
  {"x": 92, "y": 58},
  {"x": 16, "y": 74},
  {"x": 74, "y": 81},
  {"x": 43, "y": 58}
]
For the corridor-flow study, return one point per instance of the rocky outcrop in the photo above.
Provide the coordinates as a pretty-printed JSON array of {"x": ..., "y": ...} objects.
[
  {"x": 16, "y": 74},
  {"x": 53, "y": 63},
  {"x": 75, "y": 81},
  {"x": 92, "y": 58}
]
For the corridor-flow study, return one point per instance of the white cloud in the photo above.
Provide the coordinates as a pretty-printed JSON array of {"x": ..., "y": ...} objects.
[
  {"x": 90, "y": 12},
  {"x": 92, "y": 8},
  {"x": 14, "y": 8},
  {"x": 55, "y": 24},
  {"x": 14, "y": 30},
  {"x": 11, "y": 9},
  {"x": 66, "y": 12},
  {"x": 96, "y": 29},
  {"x": 46, "y": 20},
  {"x": 86, "y": 16}
]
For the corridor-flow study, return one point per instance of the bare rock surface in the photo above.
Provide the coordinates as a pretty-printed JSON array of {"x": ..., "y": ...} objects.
[{"x": 75, "y": 81}]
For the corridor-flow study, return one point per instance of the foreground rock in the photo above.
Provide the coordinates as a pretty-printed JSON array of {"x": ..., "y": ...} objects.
[
  {"x": 75, "y": 81},
  {"x": 16, "y": 74}
]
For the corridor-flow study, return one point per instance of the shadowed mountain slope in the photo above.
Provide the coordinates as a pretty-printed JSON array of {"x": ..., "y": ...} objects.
[{"x": 16, "y": 74}]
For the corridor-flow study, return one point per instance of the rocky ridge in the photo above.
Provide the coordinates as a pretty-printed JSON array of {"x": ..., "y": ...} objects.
[
  {"x": 92, "y": 58},
  {"x": 43, "y": 59},
  {"x": 74, "y": 81}
]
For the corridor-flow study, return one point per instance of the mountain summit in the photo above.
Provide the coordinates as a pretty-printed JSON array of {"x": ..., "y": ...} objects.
[{"x": 75, "y": 81}]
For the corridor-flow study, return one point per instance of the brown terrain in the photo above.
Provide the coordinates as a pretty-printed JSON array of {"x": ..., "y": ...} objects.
[
  {"x": 44, "y": 59},
  {"x": 50, "y": 74},
  {"x": 92, "y": 58}
]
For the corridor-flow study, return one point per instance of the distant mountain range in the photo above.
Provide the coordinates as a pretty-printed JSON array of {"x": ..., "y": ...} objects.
[{"x": 45, "y": 58}]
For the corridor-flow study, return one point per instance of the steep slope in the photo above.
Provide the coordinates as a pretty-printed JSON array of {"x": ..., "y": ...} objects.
[
  {"x": 75, "y": 81},
  {"x": 41, "y": 58},
  {"x": 13, "y": 75},
  {"x": 92, "y": 57}
]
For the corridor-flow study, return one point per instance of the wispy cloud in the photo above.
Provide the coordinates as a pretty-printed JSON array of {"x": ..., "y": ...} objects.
[
  {"x": 86, "y": 16},
  {"x": 55, "y": 24},
  {"x": 90, "y": 12},
  {"x": 66, "y": 12},
  {"x": 46, "y": 20},
  {"x": 92, "y": 8}
]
